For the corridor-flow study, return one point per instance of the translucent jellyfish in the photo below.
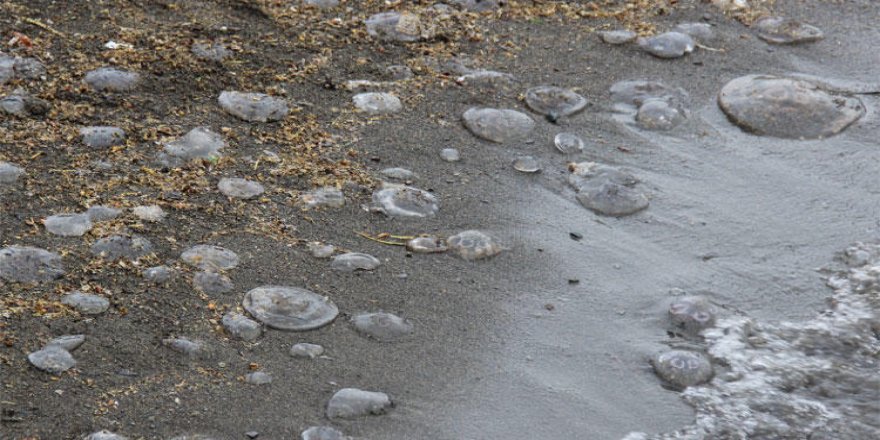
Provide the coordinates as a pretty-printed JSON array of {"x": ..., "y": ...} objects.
[
  {"x": 781, "y": 30},
  {"x": 382, "y": 326},
  {"x": 149, "y": 213},
  {"x": 701, "y": 32},
  {"x": 377, "y": 103},
  {"x": 200, "y": 142},
  {"x": 668, "y": 45},
  {"x": 473, "y": 245},
  {"x": 498, "y": 125},
  {"x": 52, "y": 359},
  {"x": 399, "y": 72},
  {"x": 486, "y": 80},
  {"x": 112, "y": 80},
  {"x": 787, "y": 108},
  {"x": 158, "y": 274},
  {"x": 22, "y": 104},
  {"x": 405, "y": 201},
  {"x": 321, "y": 4},
  {"x": 68, "y": 342},
  {"x": 586, "y": 175},
  {"x": 352, "y": 402},
  {"x": 630, "y": 95},
  {"x": 353, "y": 261},
  {"x": 683, "y": 368},
  {"x": 258, "y": 378},
  {"x": 394, "y": 26},
  {"x": 568, "y": 143},
  {"x": 306, "y": 350},
  {"x": 618, "y": 36},
  {"x": 289, "y": 308},
  {"x": 321, "y": 250},
  {"x": 211, "y": 52},
  {"x": 242, "y": 327},
  {"x": 426, "y": 245},
  {"x": 105, "y": 435},
  {"x": 239, "y": 188},
  {"x": 253, "y": 107},
  {"x": 659, "y": 114},
  {"x": 209, "y": 257},
  {"x": 323, "y": 433},
  {"x": 68, "y": 225},
  {"x": 327, "y": 196},
  {"x": 101, "y": 213},
  {"x": 691, "y": 315},
  {"x": 554, "y": 101},
  {"x": 116, "y": 247},
  {"x": 185, "y": 346},
  {"x": 101, "y": 136},
  {"x": 526, "y": 164},
  {"x": 480, "y": 5},
  {"x": 450, "y": 155},
  {"x": 399, "y": 174},
  {"x": 24, "y": 264},
  {"x": 212, "y": 283},
  {"x": 9, "y": 173},
  {"x": 612, "y": 199},
  {"x": 85, "y": 303}
]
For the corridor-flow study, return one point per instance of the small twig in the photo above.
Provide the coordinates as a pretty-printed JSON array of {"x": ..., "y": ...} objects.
[
  {"x": 710, "y": 49},
  {"x": 377, "y": 240},
  {"x": 42, "y": 25}
]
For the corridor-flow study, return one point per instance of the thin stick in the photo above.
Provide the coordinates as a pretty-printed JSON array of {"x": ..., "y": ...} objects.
[
  {"x": 369, "y": 237},
  {"x": 710, "y": 49},
  {"x": 45, "y": 26}
]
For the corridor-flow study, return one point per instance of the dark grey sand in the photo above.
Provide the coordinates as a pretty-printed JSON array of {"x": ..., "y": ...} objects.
[{"x": 505, "y": 348}]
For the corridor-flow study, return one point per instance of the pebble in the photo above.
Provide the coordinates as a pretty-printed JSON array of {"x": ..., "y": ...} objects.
[
  {"x": 352, "y": 261},
  {"x": 568, "y": 143},
  {"x": 212, "y": 283},
  {"x": 328, "y": 196},
  {"x": 306, "y": 350},
  {"x": 683, "y": 368},
  {"x": 394, "y": 26},
  {"x": 323, "y": 433},
  {"x": 426, "y": 245},
  {"x": 691, "y": 315},
  {"x": 239, "y": 188},
  {"x": 198, "y": 143},
  {"x": 242, "y": 327},
  {"x": 352, "y": 402},
  {"x": 258, "y": 378},
  {"x": 659, "y": 114},
  {"x": 253, "y": 107},
  {"x": 9, "y": 173},
  {"x": 68, "y": 342},
  {"x": 105, "y": 435},
  {"x": 473, "y": 245},
  {"x": 68, "y": 225},
  {"x": 321, "y": 250},
  {"x": 450, "y": 155},
  {"x": 158, "y": 274},
  {"x": 289, "y": 308},
  {"x": 85, "y": 303},
  {"x": 405, "y": 201},
  {"x": 24, "y": 264},
  {"x": 554, "y": 101},
  {"x": 22, "y": 104},
  {"x": 668, "y": 45},
  {"x": 151, "y": 213},
  {"x": 376, "y": 103},
  {"x": 781, "y": 30},
  {"x": 618, "y": 36},
  {"x": 211, "y": 52},
  {"x": 497, "y": 125},
  {"x": 526, "y": 164},
  {"x": 112, "y": 80},
  {"x": 209, "y": 257},
  {"x": 399, "y": 174},
  {"x": 102, "y": 136},
  {"x": 382, "y": 326},
  {"x": 101, "y": 213},
  {"x": 787, "y": 108},
  {"x": 116, "y": 247},
  {"x": 184, "y": 346},
  {"x": 701, "y": 32},
  {"x": 52, "y": 359}
]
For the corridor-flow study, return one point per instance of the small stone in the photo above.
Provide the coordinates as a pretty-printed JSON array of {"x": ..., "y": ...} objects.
[
  {"x": 399, "y": 174},
  {"x": 781, "y": 30},
  {"x": 426, "y": 245},
  {"x": 683, "y": 368},
  {"x": 473, "y": 245},
  {"x": 85, "y": 303},
  {"x": 498, "y": 125},
  {"x": 659, "y": 114},
  {"x": 116, "y": 247},
  {"x": 395, "y": 26},
  {"x": 9, "y": 173},
  {"x": 450, "y": 155},
  {"x": 382, "y": 326},
  {"x": 158, "y": 274},
  {"x": 242, "y": 327},
  {"x": 352, "y": 402},
  {"x": 323, "y": 433},
  {"x": 306, "y": 350},
  {"x": 353, "y": 261},
  {"x": 701, "y": 32},
  {"x": 526, "y": 164},
  {"x": 151, "y": 213},
  {"x": 68, "y": 342},
  {"x": 23, "y": 264},
  {"x": 184, "y": 346},
  {"x": 258, "y": 378},
  {"x": 327, "y": 196},
  {"x": 289, "y": 308},
  {"x": 239, "y": 188},
  {"x": 691, "y": 315},
  {"x": 211, "y": 52},
  {"x": 405, "y": 201},
  {"x": 52, "y": 359},
  {"x": 68, "y": 225},
  {"x": 101, "y": 213},
  {"x": 668, "y": 45},
  {"x": 20, "y": 103},
  {"x": 376, "y": 103},
  {"x": 198, "y": 143},
  {"x": 568, "y": 143},
  {"x": 554, "y": 101},
  {"x": 212, "y": 283},
  {"x": 321, "y": 250},
  {"x": 618, "y": 36},
  {"x": 253, "y": 107},
  {"x": 101, "y": 136},
  {"x": 112, "y": 80},
  {"x": 208, "y": 257}
]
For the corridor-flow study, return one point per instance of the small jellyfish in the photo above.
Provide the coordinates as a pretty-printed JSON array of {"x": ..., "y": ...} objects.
[
  {"x": 692, "y": 314},
  {"x": 497, "y": 125},
  {"x": 613, "y": 199},
  {"x": 405, "y": 201},
  {"x": 526, "y": 164},
  {"x": 289, "y": 308},
  {"x": 618, "y": 36},
  {"x": 382, "y": 326},
  {"x": 668, "y": 45},
  {"x": 568, "y": 143},
  {"x": 352, "y": 402},
  {"x": 781, "y": 30},
  {"x": 659, "y": 114},
  {"x": 473, "y": 245},
  {"x": 555, "y": 101},
  {"x": 354, "y": 261},
  {"x": 209, "y": 257},
  {"x": 683, "y": 368},
  {"x": 426, "y": 245},
  {"x": 377, "y": 103},
  {"x": 236, "y": 187}
]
